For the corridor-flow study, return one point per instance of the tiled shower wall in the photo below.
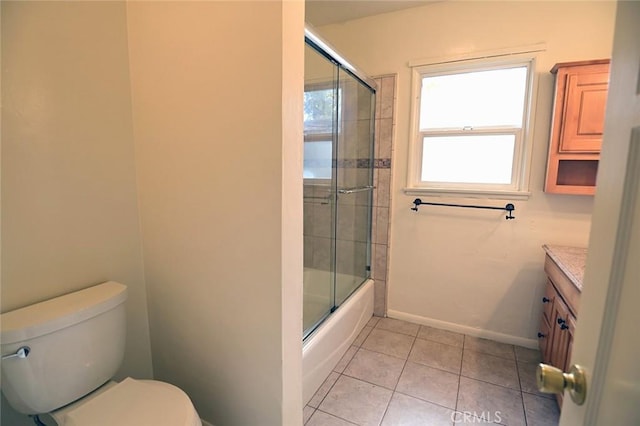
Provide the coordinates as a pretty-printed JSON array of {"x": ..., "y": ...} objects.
[{"x": 384, "y": 131}]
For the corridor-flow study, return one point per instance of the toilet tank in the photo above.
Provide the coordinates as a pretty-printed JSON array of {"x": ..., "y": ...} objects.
[{"x": 76, "y": 344}]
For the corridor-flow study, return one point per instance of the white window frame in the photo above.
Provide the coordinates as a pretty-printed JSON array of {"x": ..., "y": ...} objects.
[
  {"x": 519, "y": 187},
  {"x": 319, "y": 137}
]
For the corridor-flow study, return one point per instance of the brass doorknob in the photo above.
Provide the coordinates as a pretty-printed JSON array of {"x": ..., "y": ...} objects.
[{"x": 553, "y": 380}]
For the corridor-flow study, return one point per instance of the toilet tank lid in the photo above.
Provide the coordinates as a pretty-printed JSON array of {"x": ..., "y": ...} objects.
[{"x": 54, "y": 314}]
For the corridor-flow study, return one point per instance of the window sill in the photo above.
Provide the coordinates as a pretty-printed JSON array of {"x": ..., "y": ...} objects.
[{"x": 469, "y": 193}]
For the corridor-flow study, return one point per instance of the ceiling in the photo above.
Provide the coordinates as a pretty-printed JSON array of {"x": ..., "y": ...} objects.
[{"x": 324, "y": 12}]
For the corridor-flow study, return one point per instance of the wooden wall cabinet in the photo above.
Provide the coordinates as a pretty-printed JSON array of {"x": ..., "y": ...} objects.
[
  {"x": 577, "y": 126},
  {"x": 558, "y": 323}
]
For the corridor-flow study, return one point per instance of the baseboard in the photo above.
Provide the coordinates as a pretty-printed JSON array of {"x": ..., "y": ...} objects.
[{"x": 471, "y": 331}]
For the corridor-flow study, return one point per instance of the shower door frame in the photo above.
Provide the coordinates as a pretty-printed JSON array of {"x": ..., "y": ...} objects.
[{"x": 343, "y": 66}]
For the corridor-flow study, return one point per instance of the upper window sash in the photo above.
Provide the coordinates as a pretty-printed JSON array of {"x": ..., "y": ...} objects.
[{"x": 482, "y": 97}]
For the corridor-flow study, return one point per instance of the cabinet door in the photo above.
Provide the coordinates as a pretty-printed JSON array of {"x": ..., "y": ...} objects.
[
  {"x": 583, "y": 118},
  {"x": 545, "y": 331},
  {"x": 548, "y": 300},
  {"x": 564, "y": 327},
  {"x": 559, "y": 335},
  {"x": 544, "y": 340},
  {"x": 569, "y": 333}
]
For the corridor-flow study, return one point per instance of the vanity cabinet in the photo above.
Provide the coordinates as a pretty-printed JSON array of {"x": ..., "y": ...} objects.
[
  {"x": 557, "y": 326},
  {"x": 577, "y": 126}
]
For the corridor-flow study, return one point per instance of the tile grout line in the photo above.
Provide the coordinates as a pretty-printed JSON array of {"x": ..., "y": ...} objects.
[
  {"x": 329, "y": 390},
  {"x": 533, "y": 393},
  {"x": 416, "y": 337},
  {"x": 466, "y": 346},
  {"x": 464, "y": 339},
  {"x": 325, "y": 395},
  {"x": 307, "y": 421},
  {"x": 393, "y": 391},
  {"x": 524, "y": 409},
  {"x": 424, "y": 400},
  {"x": 342, "y": 374},
  {"x": 336, "y": 381},
  {"x": 491, "y": 383},
  {"x": 460, "y": 375},
  {"x": 506, "y": 387},
  {"x": 381, "y": 353},
  {"x": 337, "y": 417},
  {"x": 464, "y": 349}
]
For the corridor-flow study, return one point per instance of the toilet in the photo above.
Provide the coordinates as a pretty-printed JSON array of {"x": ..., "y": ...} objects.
[{"x": 59, "y": 357}]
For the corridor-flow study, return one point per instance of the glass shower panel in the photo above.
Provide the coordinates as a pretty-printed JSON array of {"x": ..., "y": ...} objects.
[
  {"x": 320, "y": 113},
  {"x": 354, "y": 175}
]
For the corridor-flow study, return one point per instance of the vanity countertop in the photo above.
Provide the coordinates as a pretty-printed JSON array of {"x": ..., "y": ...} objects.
[{"x": 571, "y": 260}]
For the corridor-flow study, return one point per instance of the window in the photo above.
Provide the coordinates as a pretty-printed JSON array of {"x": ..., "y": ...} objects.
[
  {"x": 470, "y": 127},
  {"x": 319, "y": 112}
]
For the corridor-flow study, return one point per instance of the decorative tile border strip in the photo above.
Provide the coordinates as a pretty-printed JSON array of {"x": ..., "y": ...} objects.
[
  {"x": 351, "y": 163},
  {"x": 382, "y": 163}
]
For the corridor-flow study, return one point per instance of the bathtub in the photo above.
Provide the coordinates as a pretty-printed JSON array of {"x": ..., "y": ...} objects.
[{"x": 323, "y": 348}]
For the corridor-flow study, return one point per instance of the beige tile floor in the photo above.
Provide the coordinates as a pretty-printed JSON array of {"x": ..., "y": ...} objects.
[{"x": 399, "y": 373}]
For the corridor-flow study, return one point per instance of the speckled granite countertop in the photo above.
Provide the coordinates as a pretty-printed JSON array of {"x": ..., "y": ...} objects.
[{"x": 571, "y": 260}]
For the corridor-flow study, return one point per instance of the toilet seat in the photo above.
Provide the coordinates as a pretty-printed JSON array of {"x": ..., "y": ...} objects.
[{"x": 131, "y": 403}]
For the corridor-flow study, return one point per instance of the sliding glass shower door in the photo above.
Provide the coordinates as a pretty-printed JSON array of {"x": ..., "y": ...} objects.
[
  {"x": 338, "y": 190},
  {"x": 320, "y": 135},
  {"x": 354, "y": 176}
]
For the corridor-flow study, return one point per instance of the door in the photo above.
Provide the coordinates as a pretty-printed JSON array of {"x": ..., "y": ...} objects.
[
  {"x": 585, "y": 100},
  {"x": 607, "y": 343},
  {"x": 320, "y": 128},
  {"x": 354, "y": 175}
]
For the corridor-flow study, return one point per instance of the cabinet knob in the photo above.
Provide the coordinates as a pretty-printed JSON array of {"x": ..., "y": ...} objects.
[
  {"x": 546, "y": 300},
  {"x": 540, "y": 335},
  {"x": 561, "y": 321},
  {"x": 564, "y": 327}
]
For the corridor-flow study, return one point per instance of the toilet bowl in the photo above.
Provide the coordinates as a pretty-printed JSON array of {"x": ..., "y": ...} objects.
[
  {"x": 59, "y": 357},
  {"x": 130, "y": 403}
]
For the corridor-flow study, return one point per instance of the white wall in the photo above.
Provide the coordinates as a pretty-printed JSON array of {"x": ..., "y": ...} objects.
[
  {"x": 217, "y": 106},
  {"x": 69, "y": 207},
  {"x": 464, "y": 269}
]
